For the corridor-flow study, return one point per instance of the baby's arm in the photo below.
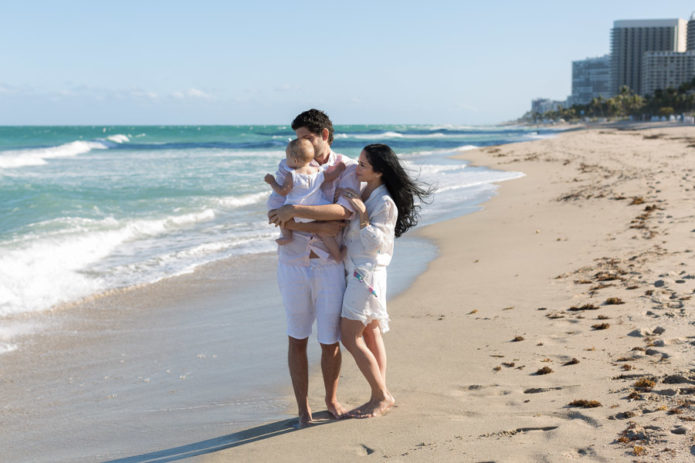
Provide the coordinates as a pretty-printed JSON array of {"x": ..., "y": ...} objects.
[
  {"x": 283, "y": 189},
  {"x": 333, "y": 172}
]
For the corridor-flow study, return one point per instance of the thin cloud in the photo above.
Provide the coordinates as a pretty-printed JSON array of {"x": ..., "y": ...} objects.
[{"x": 192, "y": 93}]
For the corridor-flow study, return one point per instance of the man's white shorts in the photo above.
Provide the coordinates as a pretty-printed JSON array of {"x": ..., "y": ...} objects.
[{"x": 314, "y": 292}]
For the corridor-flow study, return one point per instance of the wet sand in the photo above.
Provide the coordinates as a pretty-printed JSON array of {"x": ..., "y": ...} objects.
[{"x": 156, "y": 367}]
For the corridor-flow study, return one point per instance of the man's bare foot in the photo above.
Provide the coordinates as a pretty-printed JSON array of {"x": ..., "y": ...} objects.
[
  {"x": 335, "y": 409},
  {"x": 373, "y": 408},
  {"x": 305, "y": 419},
  {"x": 283, "y": 241}
]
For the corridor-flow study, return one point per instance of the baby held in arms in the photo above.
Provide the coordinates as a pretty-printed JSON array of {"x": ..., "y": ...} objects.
[{"x": 302, "y": 185}]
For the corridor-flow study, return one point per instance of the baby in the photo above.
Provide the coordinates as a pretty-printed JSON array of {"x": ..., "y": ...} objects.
[{"x": 302, "y": 185}]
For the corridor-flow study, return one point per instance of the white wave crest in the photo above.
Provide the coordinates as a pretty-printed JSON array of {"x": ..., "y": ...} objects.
[
  {"x": 6, "y": 347},
  {"x": 392, "y": 134},
  {"x": 241, "y": 201},
  {"x": 38, "y": 157},
  {"x": 537, "y": 136},
  {"x": 38, "y": 274},
  {"x": 460, "y": 149},
  {"x": 482, "y": 181},
  {"x": 118, "y": 138}
]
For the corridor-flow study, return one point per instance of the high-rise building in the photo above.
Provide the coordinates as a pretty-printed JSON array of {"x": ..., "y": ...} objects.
[
  {"x": 664, "y": 69},
  {"x": 690, "y": 44},
  {"x": 630, "y": 39},
  {"x": 591, "y": 78},
  {"x": 543, "y": 105}
]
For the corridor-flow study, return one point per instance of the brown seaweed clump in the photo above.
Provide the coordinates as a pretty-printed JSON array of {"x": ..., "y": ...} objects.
[
  {"x": 614, "y": 301},
  {"x": 518, "y": 338},
  {"x": 584, "y": 307},
  {"x": 544, "y": 371},
  {"x": 583, "y": 403},
  {"x": 574, "y": 361},
  {"x": 637, "y": 200},
  {"x": 644, "y": 384},
  {"x": 600, "y": 326}
]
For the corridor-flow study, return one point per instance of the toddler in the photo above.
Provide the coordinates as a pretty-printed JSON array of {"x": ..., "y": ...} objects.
[{"x": 302, "y": 185}]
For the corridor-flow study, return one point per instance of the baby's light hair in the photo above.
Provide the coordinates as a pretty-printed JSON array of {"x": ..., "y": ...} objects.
[{"x": 300, "y": 149}]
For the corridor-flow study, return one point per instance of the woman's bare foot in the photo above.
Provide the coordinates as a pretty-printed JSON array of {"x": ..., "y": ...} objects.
[
  {"x": 373, "y": 408},
  {"x": 335, "y": 409}
]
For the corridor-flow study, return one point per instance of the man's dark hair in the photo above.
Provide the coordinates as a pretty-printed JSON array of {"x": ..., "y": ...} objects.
[{"x": 315, "y": 121}]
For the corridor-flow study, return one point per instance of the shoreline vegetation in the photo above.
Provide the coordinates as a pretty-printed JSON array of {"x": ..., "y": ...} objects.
[
  {"x": 556, "y": 323},
  {"x": 662, "y": 105}
]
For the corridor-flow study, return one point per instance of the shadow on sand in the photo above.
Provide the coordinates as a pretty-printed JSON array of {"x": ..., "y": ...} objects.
[{"x": 236, "y": 439}]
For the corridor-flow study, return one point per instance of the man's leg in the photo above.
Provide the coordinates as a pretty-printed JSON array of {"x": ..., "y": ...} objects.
[
  {"x": 330, "y": 367},
  {"x": 329, "y": 286},
  {"x": 295, "y": 289},
  {"x": 299, "y": 372}
]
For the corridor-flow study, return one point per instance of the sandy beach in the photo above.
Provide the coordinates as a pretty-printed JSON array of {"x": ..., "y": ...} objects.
[{"x": 556, "y": 324}]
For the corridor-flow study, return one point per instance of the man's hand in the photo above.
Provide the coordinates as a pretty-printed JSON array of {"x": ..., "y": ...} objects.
[{"x": 282, "y": 215}]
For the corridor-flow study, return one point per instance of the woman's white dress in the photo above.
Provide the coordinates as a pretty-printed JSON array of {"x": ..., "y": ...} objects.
[{"x": 369, "y": 252}]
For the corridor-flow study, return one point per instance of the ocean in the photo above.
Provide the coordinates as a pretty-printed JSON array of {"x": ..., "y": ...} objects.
[{"x": 85, "y": 210}]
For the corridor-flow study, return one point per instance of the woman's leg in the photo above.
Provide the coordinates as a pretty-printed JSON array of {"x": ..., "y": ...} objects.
[
  {"x": 375, "y": 343},
  {"x": 381, "y": 400}
]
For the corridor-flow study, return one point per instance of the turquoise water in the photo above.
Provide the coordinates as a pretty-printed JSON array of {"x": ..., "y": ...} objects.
[{"x": 90, "y": 209}]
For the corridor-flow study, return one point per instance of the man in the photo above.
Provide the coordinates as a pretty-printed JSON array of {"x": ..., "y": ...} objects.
[{"x": 311, "y": 282}]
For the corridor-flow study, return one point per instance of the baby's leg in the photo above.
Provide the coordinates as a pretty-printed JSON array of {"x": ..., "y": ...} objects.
[
  {"x": 336, "y": 252},
  {"x": 285, "y": 236}
]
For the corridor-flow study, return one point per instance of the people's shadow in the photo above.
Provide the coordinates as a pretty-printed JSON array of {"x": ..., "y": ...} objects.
[{"x": 236, "y": 439}]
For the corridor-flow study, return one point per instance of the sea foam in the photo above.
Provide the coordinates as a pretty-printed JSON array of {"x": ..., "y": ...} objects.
[{"x": 38, "y": 156}]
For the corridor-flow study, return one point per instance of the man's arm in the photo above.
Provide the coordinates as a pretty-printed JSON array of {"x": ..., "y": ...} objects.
[
  {"x": 330, "y": 228},
  {"x": 325, "y": 212}
]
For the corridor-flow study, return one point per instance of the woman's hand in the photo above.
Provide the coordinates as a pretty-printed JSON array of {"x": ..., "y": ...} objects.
[
  {"x": 354, "y": 199},
  {"x": 281, "y": 215}
]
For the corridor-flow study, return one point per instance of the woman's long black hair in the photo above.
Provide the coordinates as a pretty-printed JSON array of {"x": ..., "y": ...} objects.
[{"x": 400, "y": 186}]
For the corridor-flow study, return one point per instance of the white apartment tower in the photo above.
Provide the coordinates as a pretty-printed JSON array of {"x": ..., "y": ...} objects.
[
  {"x": 630, "y": 39},
  {"x": 664, "y": 69},
  {"x": 591, "y": 78}
]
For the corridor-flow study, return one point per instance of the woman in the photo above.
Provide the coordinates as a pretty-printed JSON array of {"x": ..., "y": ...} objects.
[{"x": 385, "y": 209}]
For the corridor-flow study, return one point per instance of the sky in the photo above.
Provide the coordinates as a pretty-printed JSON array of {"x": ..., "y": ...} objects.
[{"x": 261, "y": 62}]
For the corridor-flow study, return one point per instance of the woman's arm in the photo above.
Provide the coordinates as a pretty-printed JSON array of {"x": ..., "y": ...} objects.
[{"x": 377, "y": 229}]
